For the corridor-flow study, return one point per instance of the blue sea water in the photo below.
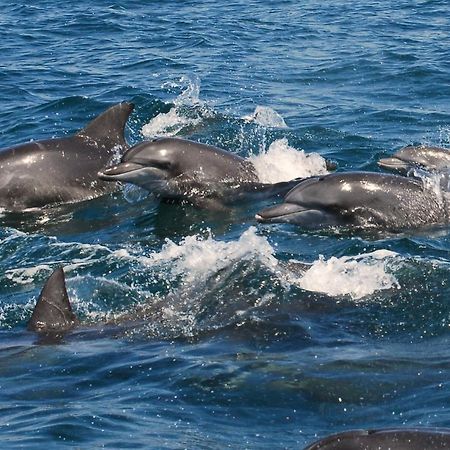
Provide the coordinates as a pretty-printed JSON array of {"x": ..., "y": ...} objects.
[{"x": 233, "y": 350}]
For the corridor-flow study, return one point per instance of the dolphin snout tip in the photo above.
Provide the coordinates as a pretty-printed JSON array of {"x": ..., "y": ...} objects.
[
  {"x": 105, "y": 174},
  {"x": 101, "y": 175}
]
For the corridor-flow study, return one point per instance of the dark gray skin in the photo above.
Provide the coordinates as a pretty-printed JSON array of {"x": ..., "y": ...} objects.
[
  {"x": 361, "y": 199},
  {"x": 63, "y": 170},
  {"x": 179, "y": 169},
  {"x": 433, "y": 159},
  {"x": 53, "y": 312},
  {"x": 391, "y": 439}
]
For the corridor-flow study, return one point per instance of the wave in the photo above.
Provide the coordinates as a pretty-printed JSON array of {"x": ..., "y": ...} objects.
[{"x": 200, "y": 280}]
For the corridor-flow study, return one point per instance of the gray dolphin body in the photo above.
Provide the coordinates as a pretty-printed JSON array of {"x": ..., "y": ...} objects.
[
  {"x": 179, "y": 169},
  {"x": 41, "y": 173},
  {"x": 394, "y": 439},
  {"x": 359, "y": 199},
  {"x": 417, "y": 157}
]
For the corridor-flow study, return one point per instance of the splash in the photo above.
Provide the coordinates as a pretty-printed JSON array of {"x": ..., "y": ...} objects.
[
  {"x": 188, "y": 111},
  {"x": 27, "y": 275},
  {"x": 281, "y": 162},
  {"x": 356, "y": 276},
  {"x": 436, "y": 182},
  {"x": 266, "y": 117},
  {"x": 198, "y": 282},
  {"x": 133, "y": 193},
  {"x": 195, "y": 257}
]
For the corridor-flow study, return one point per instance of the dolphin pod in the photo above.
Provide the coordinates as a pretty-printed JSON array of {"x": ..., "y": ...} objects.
[
  {"x": 63, "y": 170},
  {"x": 79, "y": 167},
  {"x": 390, "y": 439}
]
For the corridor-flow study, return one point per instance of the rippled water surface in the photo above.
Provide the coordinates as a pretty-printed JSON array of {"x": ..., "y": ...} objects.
[{"x": 200, "y": 329}]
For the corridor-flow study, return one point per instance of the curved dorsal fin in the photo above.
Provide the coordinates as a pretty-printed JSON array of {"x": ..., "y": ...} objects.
[
  {"x": 110, "y": 125},
  {"x": 53, "y": 312}
]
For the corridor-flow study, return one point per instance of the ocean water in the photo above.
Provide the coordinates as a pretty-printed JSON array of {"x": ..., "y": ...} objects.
[{"x": 200, "y": 329}]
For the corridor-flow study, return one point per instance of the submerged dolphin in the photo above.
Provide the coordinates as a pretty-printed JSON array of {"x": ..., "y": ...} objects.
[
  {"x": 390, "y": 439},
  {"x": 417, "y": 157},
  {"x": 179, "y": 169},
  {"x": 359, "y": 199},
  {"x": 53, "y": 317},
  {"x": 63, "y": 170}
]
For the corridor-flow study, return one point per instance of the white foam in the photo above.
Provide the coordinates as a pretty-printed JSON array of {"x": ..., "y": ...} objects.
[
  {"x": 281, "y": 162},
  {"x": 188, "y": 111},
  {"x": 169, "y": 124},
  {"x": 266, "y": 117},
  {"x": 356, "y": 276},
  {"x": 26, "y": 275},
  {"x": 197, "y": 256}
]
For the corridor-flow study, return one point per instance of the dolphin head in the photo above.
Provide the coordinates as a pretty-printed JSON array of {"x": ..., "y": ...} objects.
[
  {"x": 147, "y": 164},
  {"x": 310, "y": 204},
  {"x": 352, "y": 198},
  {"x": 417, "y": 157}
]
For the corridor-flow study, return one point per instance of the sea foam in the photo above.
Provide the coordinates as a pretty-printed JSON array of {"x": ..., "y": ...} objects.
[
  {"x": 188, "y": 111},
  {"x": 266, "y": 117},
  {"x": 196, "y": 257},
  {"x": 281, "y": 162},
  {"x": 356, "y": 276}
]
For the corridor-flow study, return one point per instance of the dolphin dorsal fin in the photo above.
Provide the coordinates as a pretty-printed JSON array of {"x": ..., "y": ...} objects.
[
  {"x": 110, "y": 125},
  {"x": 53, "y": 312}
]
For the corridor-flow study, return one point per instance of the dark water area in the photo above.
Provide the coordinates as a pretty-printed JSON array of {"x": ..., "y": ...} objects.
[{"x": 197, "y": 329}]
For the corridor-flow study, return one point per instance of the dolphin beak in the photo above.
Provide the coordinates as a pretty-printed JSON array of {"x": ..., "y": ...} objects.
[
  {"x": 279, "y": 213},
  {"x": 394, "y": 164},
  {"x": 293, "y": 213},
  {"x": 118, "y": 172}
]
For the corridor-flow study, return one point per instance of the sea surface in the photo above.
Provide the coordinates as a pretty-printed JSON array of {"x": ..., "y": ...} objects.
[{"x": 237, "y": 347}]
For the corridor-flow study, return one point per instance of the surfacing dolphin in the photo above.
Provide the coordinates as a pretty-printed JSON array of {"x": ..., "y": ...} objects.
[
  {"x": 63, "y": 170},
  {"x": 432, "y": 159},
  {"x": 179, "y": 169},
  {"x": 389, "y": 439},
  {"x": 361, "y": 199}
]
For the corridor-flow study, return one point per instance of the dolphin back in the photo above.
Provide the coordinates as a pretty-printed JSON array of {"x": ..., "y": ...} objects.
[
  {"x": 109, "y": 126},
  {"x": 53, "y": 312},
  {"x": 392, "y": 439}
]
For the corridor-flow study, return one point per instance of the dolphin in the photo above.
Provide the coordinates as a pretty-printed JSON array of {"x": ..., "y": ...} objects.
[
  {"x": 388, "y": 439},
  {"x": 179, "y": 169},
  {"x": 433, "y": 159},
  {"x": 53, "y": 317},
  {"x": 361, "y": 199},
  {"x": 63, "y": 170},
  {"x": 53, "y": 312}
]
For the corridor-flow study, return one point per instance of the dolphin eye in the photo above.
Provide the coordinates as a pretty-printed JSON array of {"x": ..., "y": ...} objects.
[{"x": 163, "y": 165}]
